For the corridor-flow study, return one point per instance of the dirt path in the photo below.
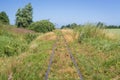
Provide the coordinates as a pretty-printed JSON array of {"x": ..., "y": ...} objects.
[{"x": 62, "y": 67}]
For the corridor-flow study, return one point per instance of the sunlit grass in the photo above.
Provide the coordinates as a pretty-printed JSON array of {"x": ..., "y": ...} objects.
[
  {"x": 31, "y": 65},
  {"x": 62, "y": 67},
  {"x": 98, "y": 57}
]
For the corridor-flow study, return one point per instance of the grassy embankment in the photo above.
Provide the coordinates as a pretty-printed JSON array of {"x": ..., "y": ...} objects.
[
  {"x": 27, "y": 57},
  {"x": 97, "y": 53}
]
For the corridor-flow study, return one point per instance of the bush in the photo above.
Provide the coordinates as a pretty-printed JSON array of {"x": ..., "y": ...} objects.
[
  {"x": 42, "y": 26},
  {"x": 4, "y": 18}
]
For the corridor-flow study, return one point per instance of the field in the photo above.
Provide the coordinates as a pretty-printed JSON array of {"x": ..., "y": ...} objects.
[
  {"x": 96, "y": 54},
  {"x": 115, "y": 32}
]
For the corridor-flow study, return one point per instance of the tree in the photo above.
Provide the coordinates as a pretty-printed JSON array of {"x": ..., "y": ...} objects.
[
  {"x": 4, "y": 18},
  {"x": 24, "y": 16},
  {"x": 112, "y": 26},
  {"x": 19, "y": 21},
  {"x": 100, "y": 24},
  {"x": 42, "y": 26},
  {"x": 73, "y": 25}
]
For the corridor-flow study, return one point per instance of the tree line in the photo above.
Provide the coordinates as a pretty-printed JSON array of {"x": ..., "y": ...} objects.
[
  {"x": 99, "y": 24},
  {"x": 4, "y": 18},
  {"x": 24, "y": 19}
]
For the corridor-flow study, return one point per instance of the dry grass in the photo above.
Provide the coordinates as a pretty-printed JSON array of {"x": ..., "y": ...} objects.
[
  {"x": 69, "y": 70},
  {"x": 33, "y": 45},
  {"x": 8, "y": 63},
  {"x": 69, "y": 35},
  {"x": 47, "y": 36},
  {"x": 62, "y": 67},
  {"x": 116, "y": 78},
  {"x": 111, "y": 35}
]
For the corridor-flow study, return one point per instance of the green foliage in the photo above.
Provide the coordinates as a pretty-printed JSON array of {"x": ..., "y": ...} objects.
[
  {"x": 4, "y": 18},
  {"x": 42, "y": 26},
  {"x": 100, "y": 25},
  {"x": 24, "y": 16},
  {"x": 113, "y": 26}
]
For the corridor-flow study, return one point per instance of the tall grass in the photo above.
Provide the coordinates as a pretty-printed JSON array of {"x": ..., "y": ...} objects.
[
  {"x": 89, "y": 30},
  {"x": 98, "y": 56},
  {"x": 95, "y": 36}
]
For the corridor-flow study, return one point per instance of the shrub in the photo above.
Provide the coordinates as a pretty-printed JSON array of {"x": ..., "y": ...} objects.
[
  {"x": 4, "y": 18},
  {"x": 24, "y": 16},
  {"x": 42, "y": 26}
]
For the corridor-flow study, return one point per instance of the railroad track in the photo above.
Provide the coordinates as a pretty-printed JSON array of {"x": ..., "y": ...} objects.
[{"x": 69, "y": 52}]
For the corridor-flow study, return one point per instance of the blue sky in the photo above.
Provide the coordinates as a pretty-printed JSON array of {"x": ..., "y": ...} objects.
[{"x": 67, "y": 11}]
